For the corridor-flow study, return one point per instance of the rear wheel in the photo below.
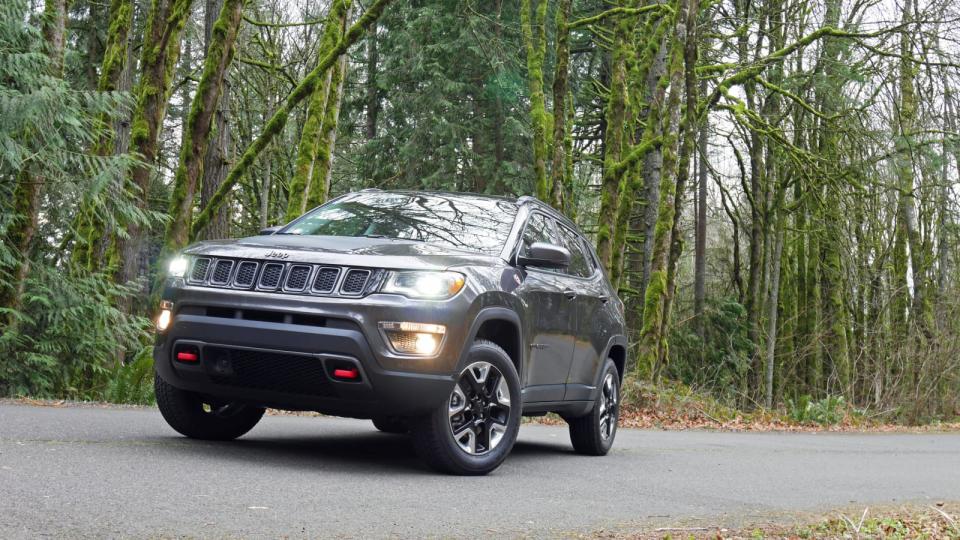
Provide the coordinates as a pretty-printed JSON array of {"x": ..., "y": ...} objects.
[
  {"x": 202, "y": 417},
  {"x": 390, "y": 424},
  {"x": 475, "y": 428},
  {"x": 593, "y": 433}
]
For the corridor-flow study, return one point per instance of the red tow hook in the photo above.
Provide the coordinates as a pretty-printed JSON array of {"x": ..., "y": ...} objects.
[
  {"x": 187, "y": 356},
  {"x": 348, "y": 374}
]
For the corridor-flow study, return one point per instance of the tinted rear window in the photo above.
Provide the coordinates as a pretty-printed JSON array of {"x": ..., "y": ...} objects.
[{"x": 459, "y": 221}]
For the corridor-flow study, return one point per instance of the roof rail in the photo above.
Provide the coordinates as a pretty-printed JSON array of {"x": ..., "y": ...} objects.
[{"x": 369, "y": 189}]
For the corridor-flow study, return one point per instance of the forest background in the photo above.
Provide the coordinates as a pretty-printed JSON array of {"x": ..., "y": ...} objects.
[{"x": 770, "y": 184}]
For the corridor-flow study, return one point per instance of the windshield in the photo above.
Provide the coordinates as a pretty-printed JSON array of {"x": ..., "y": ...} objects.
[{"x": 459, "y": 221}]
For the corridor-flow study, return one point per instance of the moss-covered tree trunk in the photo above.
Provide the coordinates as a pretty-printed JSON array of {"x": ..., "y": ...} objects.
[
  {"x": 613, "y": 140},
  {"x": 196, "y": 136},
  {"x": 558, "y": 168},
  {"x": 908, "y": 239},
  {"x": 319, "y": 190},
  {"x": 688, "y": 132},
  {"x": 220, "y": 151},
  {"x": 647, "y": 92},
  {"x": 652, "y": 337},
  {"x": 158, "y": 59},
  {"x": 534, "y": 32},
  {"x": 89, "y": 228},
  {"x": 835, "y": 315},
  {"x": 313, "y": 125},
  {"x": 279, "y": 119}
]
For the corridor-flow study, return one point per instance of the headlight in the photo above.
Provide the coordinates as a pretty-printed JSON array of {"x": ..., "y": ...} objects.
[
  {"x": 429, "y": 285},
  {"x": 178, "y": 267}
]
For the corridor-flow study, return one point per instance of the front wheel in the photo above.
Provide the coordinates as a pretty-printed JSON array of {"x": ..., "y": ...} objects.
[
  {"x": 200, "y": 417},
  {"x": 472, "y": 432},
  {"x": 593, "y": 433}
]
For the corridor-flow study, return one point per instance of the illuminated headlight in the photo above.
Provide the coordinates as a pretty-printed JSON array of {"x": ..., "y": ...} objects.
[
  {"x": 428, "y": 285},
  {"x": 414, "y": 338},
  {"x": 166, "y": 315},
  {"x": 178, "y": 267}
]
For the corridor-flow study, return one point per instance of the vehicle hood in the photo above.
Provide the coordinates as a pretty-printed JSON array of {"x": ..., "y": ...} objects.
[{"x": 342, "y": 251}]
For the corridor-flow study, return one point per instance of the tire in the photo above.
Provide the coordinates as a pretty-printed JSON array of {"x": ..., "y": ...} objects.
[
  {"x": 391, "y": 424},
  {"x": 200, "y": 417},
  {"x": 593, "y": 434},
  {"x": 483, "y": 409}
]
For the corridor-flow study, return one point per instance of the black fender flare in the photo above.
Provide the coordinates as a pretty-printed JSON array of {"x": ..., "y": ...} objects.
[
  {"x": 489, "y": 314},
  {"x": 613, "y": 341}
]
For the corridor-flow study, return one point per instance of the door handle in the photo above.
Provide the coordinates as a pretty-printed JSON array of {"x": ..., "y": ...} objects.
[
  {"x": 570, "y": 294},
  {"x": 604, "y": 298}
]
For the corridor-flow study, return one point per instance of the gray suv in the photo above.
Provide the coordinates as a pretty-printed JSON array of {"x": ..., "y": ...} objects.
[{"x": 445, "y": 315}]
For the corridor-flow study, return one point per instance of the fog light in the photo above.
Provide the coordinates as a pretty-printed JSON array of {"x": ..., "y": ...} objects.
[
  {"x": 166, "y": 315},
  {"x": 425, "y": 344},
  {"x": 414, "y": 338}
]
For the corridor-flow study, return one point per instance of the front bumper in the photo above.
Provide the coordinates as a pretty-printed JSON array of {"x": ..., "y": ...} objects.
[{"x": 288, "y": 363}]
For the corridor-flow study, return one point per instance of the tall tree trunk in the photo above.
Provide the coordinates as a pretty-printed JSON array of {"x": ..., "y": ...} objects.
[
  {"x": 319, "y": 190},
  {"x": 90, "y": 238},
  {"x": 655, "y": 314},
  {"x": 700, "y": 249},
  {"x": 688, "y": 132},
  {"x": 535, "y": 42},
  {"x": 558, "y": 167},
  {"x": 196, "y": 136},
  {"x": 312, "y": 134},
  {"x": 772, "y": 311},
  {"x": 835, "y": 314},
  {"x": 372, "y": 92},
  {"x": 615, "y": 120},
  {"x": 158, "y": 59},
  {"x": 219, "y": 153}
]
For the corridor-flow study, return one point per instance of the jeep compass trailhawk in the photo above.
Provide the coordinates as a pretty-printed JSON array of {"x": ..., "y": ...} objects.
[{"x": 440, "y": 314}]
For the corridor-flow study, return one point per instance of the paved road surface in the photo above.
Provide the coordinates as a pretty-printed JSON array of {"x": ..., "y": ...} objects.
[{"x": 95, "y": 472}]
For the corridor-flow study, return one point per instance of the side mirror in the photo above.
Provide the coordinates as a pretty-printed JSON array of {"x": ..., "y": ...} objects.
[
  {"x": 545, "y": 255},
  {"x": 267, "y": 231}
]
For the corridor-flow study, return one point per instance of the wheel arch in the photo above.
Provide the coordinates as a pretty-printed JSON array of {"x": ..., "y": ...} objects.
[
  {"x": 499, "y": 325},
  {"x": 616, "y": 350}
]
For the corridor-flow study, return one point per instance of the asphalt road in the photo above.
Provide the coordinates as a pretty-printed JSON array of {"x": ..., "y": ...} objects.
[{"x": 111, "y": 472}]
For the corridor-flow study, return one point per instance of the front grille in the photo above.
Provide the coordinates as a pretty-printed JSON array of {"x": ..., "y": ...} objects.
[
  {"x": 200, "y": 270},
  {"x": 270, "y": 278},
  {"x": 354, "y": 282},
  {"x": 282, "y": 277},
  {"x": 325, "y": 280},
  {"x": 260, "y": 370},
  {"x": 297, "y": 278},
  {"x": 221, "y": 272},
  {"x": 246, "y": 273}
]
